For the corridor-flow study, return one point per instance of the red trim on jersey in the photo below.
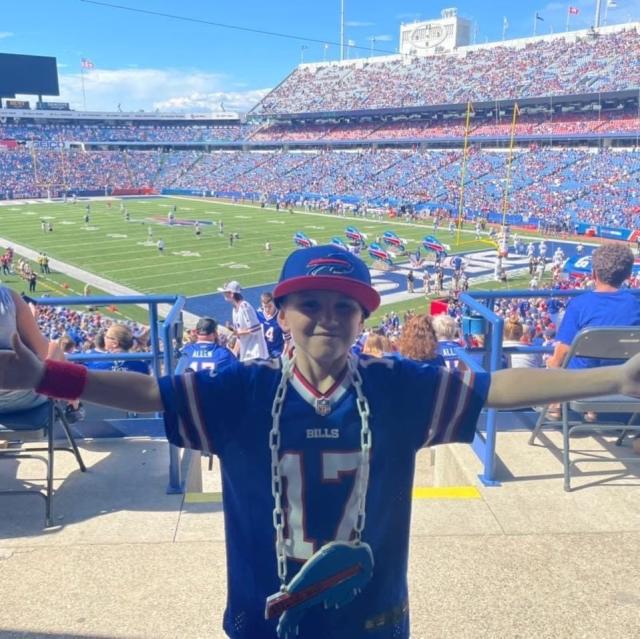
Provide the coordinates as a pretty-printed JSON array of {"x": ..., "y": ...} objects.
[{"x": 313, "y": 390}]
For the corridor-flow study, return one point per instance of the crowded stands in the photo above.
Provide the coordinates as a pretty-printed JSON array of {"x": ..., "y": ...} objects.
[
  {"x": 595, "y": 186},
  {"x": 566, "y": 65}
]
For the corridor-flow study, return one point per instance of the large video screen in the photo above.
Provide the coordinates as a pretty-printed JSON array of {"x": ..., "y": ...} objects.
[{"x": 30, "y": 74}]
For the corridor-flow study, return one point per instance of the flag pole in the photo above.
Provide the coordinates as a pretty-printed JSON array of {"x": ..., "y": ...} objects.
[
  {"x": 84, "y": 95},
  {"x": 535, "y": 23},
  {"x": 568, "y": 16}
]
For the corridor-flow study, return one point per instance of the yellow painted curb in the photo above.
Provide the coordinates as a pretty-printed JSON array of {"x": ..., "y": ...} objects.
[
  {"x": 446, "y": 492},
  {"x": 203, "y": 498},
  {"x": 438, "y": 492}
]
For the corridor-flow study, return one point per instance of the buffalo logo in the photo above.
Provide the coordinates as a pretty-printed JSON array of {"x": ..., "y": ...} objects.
[{"x": 332, "y": 265}]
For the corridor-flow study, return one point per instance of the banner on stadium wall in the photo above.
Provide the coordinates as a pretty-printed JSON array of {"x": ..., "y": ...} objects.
[
  {"x": 53, "y": 106},
  {"x": 8, "y": 144},
  {"x": 580, "y": 266},
  {"x": 17, "y": 104},
  {"x": 608, "y": 232},
  {"x": 142, "y": 191}
]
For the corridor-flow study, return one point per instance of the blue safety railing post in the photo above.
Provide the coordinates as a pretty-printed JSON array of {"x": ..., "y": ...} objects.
[
  {"x": 156, "y": 334},
  {"x": 176, "y": 483}
]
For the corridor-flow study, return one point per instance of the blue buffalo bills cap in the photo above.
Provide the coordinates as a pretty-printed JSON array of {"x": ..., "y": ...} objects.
[{"x": 327, "y": 268}]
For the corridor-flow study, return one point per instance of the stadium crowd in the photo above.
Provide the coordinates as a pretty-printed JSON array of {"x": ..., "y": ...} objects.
[
  {"x": 558, "y": 184},
  {"x": 410, "y": 128},
  {"x": 566, "y": 65}
]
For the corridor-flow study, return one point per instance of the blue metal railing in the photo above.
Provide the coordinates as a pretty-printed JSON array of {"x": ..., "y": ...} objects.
[
  {"x": 484, "y": 444},
  {"x": 160, "y": 355}
]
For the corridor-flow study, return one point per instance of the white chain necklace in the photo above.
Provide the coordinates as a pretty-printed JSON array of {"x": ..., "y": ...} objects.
[{"x": 362, "y": 476}]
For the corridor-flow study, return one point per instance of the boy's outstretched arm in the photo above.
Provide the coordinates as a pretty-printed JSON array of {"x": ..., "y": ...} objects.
[
  {"x": 515, "y": 387},
  {"x": 20, "y": 369}
]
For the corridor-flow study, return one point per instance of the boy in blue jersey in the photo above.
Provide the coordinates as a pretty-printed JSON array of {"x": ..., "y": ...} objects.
[
  {"x": 315, "y": 448},
  {"x": 274, "y": 336},
  {"x": 205, "y": 353}
]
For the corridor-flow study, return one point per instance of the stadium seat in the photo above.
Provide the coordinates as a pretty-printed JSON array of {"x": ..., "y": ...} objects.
[
  {"x": 619, "y": 343},
  {"x": 35, "y": 424}
]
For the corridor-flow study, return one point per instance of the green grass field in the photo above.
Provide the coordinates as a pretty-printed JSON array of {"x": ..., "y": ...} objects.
[{"x": 125, "y": 252}]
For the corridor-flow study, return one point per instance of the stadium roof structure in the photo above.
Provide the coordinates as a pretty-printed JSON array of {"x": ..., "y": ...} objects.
[{"x": 121, "y": 116}]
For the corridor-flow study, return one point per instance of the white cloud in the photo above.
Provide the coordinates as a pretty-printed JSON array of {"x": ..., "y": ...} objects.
[
  {"x": 359, "y": 23},
  {"x": 385, "y": 37},
  {"x": 176, "y": 90},
  {"x": 5, "y": 34},
  {"x": 240, "y": 101}
]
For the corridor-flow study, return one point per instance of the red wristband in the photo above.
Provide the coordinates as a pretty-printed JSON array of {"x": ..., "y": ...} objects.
[{"x": 62, "y": 380}]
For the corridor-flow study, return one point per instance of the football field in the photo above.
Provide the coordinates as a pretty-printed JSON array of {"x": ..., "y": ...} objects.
[{"x": 125, "y": 251}]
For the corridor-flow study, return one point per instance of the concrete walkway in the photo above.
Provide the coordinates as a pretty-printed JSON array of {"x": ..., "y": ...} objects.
[{"x": 523, "y": 560}]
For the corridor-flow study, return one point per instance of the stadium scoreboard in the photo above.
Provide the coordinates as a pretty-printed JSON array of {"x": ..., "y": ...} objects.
[
  {"x": 28, "y": 74},
  {"x": 445, "y": 34}
]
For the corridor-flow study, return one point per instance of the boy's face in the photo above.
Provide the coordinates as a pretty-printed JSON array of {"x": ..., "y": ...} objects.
[
  {"x": 323, "y": 324},
  {"x": 268, "y": 306}
]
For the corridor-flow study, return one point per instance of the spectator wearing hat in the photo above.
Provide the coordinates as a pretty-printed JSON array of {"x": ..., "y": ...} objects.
[
  {"x": 205, "y": 353},
  {"x": 246, "y": 325}
]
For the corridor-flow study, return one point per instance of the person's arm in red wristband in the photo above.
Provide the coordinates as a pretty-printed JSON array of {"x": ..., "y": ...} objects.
[{"x": 21, "y": 369}]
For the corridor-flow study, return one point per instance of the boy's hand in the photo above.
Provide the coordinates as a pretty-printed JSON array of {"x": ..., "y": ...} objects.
[
  {"x": 630, "y": 377},
  {"x": 20, "y": 368}
]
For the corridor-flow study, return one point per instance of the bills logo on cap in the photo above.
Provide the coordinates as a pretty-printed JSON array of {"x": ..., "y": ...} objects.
[{"x": 331, "y": 265}]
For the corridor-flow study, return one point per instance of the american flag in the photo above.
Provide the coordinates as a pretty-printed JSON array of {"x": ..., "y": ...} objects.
[
  {"x": 85, "y": 63},
  {"x": 574, "y": 11}
]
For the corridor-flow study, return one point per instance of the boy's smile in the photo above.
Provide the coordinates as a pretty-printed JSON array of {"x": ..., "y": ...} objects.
[{"x": 323, "y": 324}]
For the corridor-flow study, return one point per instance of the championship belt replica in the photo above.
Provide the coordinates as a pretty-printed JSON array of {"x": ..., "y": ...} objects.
[{"x": 338, "y": 572}]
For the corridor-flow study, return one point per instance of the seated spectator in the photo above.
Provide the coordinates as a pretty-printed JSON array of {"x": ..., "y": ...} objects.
[
  {"x": 447, "y": 332},
  {"x": 607, "y": 305},
  {"x": 514, "y": 335},
  {"x": 418, "y": 341},
  {"x": 377, "y": 345},
  {"x": 205, "y": 352},
  {"x": 119, "y": 339},
  {"x": 16, "y": 317}
]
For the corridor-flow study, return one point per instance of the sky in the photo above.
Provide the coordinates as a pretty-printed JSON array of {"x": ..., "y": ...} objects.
[{"x": 185, "y": 63}]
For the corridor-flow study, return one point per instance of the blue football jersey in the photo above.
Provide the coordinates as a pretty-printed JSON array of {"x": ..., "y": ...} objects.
[
  {"x": 229, "y": 414},
  {"x": 199, "y": 356},
  {"x": 273, "y": 334},
  {"x": 448, "y": 350}
]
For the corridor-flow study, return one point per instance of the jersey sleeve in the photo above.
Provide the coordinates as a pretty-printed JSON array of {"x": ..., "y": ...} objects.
[
  {"x": 200, "y": 409},
  {"x": 445, "y": 403},
  {"x": 248, "y": 318}
]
